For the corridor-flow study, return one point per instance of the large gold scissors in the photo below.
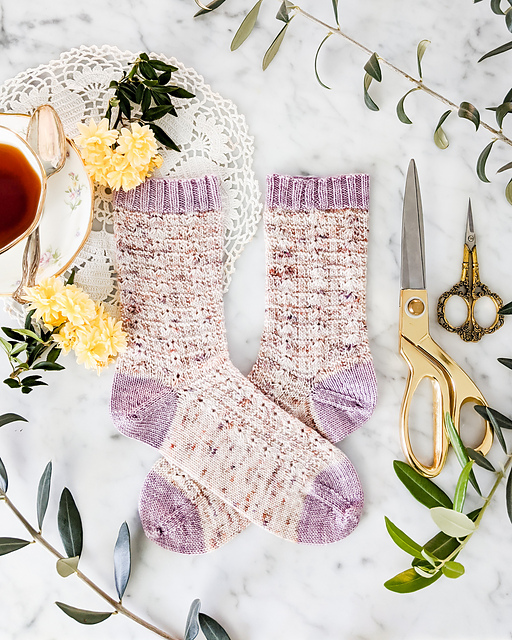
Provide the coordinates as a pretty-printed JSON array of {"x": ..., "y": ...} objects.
[
  {"x": 451, "y": 386},
  {"x": 470, "y": 289}
]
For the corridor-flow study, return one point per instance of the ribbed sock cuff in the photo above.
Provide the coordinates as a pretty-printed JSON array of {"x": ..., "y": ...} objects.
[
  {"x": 167, "y": 195},
  {"x": 298, "y": 193}
]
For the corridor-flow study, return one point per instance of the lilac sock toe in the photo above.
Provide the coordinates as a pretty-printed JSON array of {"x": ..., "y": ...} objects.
[
  {"x": 169, "y": 518},
  {"x": 333, "y": 507}
]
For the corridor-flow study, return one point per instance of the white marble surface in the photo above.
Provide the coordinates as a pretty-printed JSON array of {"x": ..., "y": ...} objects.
[{"x": 259, "y": 587}]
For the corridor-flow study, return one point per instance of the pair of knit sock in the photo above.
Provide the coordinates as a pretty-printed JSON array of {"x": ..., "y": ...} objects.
[{"x": 238, "y": 450}]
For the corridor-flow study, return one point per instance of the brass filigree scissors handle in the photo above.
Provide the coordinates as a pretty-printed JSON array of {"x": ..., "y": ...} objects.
[{"x": 470, "y": 289}]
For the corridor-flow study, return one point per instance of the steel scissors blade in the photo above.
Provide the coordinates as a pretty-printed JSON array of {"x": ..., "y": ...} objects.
[
  {"x": 452, "y": 387},
  {"x": 470, "y": 289}
]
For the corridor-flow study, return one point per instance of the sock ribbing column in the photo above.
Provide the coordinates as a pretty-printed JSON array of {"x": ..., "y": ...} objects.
[{"x": 176, "y": 389}]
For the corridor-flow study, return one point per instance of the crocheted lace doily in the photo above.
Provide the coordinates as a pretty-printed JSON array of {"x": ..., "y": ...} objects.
[{"x": 210, "y": 131}]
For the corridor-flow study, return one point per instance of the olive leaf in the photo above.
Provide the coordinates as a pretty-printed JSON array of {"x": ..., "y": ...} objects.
[
  {"x": 70, "y": 525},
  {"x": 8, "y": 545},
  {"x": 83, "y": 615},
  {"x": 507, "y": 362},
  {"x": 430, "y": 558},
  {"x": 453, "y": 569},
  {"x": 462, "y": 486},
  {"x": 488, "y": 415},
  {"x": 367, "y": 98},
  {"x": 402, "y": 540},
  {"x": 67, "y": 566},
  {"x": 372, "y": 68},
  {"x": 335, "y": 9},
  {"x": 460, "y": 449},
  {"x": 506, "y": 310},
  {"x": 4, "y": 481},
  {"x": 7, "y": 418},
  {"x": 211, "y": 629},
  {"x": 508, "y": 494},
  {"x": 420, "y": 52},
  {"x": 400, "y": 112},
  {"x": 453, "y": 523},
  {"x": 480, "y": 460},
  {"x": 441, "y": 546},
  {"x": 424, "y": 568},
  {"x": 469, "y": 112},
  {"x": 43, "y": 494},
  {"x": 283, "y": 14},
  {"x": 508, "y": 192},
  {"x": 209, "y": 7},
  {"x": 271, "y": 52},
  {"x": 421, "y": 488},
  {"x": 505, "y": 167},
  {"x": 508, "y": 19},
  {"x": 192, "y": 625},
  {"x": 496, "y": 7},
  {"x": 245, "y": 29},
  {"x": 501, "y": 111},
  {"x": 482, "y": 159},
  {"x": 316, "y": 60},
  {"x": 440, "y": 137},
  {"x": 409, "y": 581},
  {"x": 122, "y": 560}
]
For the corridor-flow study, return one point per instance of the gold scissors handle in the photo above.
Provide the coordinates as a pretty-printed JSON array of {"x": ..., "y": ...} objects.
[
  {"x": 452, "y": 387},
  {"x": 470, "y": 289}
]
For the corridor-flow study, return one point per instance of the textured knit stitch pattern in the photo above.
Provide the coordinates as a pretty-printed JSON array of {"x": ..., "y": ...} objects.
[
  {"x": 176, "y": 389},
  {"x": 314, "y": 359}
]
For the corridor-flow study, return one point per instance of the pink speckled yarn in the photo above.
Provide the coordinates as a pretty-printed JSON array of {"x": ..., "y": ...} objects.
[
  {"x": 176, "y": 389},
  {"x": 314, "y": 359}
]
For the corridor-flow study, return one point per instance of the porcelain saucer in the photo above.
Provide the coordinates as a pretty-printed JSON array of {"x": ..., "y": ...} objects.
[{"x": 66, "y": 221}]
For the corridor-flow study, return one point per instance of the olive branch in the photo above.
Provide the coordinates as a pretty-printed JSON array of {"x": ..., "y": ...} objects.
[
  {"x": 71, "y": 533},
  {"x": 373, "y": 72}
]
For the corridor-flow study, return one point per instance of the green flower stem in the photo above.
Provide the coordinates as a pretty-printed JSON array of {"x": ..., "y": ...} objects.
[
  {"x": 419, "y": 84},
  {"x": 117, "y": 606}
]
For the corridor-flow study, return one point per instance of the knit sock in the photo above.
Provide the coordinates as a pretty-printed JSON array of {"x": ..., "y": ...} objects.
[
  {"x": 334, "y": 277},
  {"x": 314, "y": 360},
  {"x": 176, "y": 390}
]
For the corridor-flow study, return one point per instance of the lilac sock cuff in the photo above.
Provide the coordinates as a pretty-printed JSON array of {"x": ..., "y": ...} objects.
[
  {"x": 298, "y": 193},
  {"x": 166, "y": 195}
]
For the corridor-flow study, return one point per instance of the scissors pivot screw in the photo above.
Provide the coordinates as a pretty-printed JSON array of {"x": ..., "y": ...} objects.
[{"x": 415, "y": 307}]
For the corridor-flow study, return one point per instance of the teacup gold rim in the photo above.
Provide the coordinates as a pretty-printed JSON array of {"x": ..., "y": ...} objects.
[
  {"x": 42, "y": 194},
  {"x": 91, "y": 212}
]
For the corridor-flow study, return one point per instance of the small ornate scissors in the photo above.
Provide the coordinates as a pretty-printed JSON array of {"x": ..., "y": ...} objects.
[
  {"x": 452, "y": 387},
  {"x": 470, "y": 289}
]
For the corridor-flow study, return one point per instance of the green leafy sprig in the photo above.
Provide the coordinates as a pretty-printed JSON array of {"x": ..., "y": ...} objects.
[
  {"x": 71, "y": 534},
  {"x": 145, "y": 94},
  {"x": 31, "y": 348},
  {"x": 373, "y": 72},
  {"x": 437, "y": 557}
]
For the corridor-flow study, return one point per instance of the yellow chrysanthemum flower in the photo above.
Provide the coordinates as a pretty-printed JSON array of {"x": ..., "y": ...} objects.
[
  {"x": 90, "y": 349},
  {"x": 119, "y": 161},
  {"x": 111, "y": 332},
  {"x": 138, "y": 145},
  {"x": 94, "y": 136},
  {"x": 75, "y": 305},
  {"x": 122, "y": 175},
  {"x": 42, "y": 300},
  {"x": 66, "y": 338}
]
